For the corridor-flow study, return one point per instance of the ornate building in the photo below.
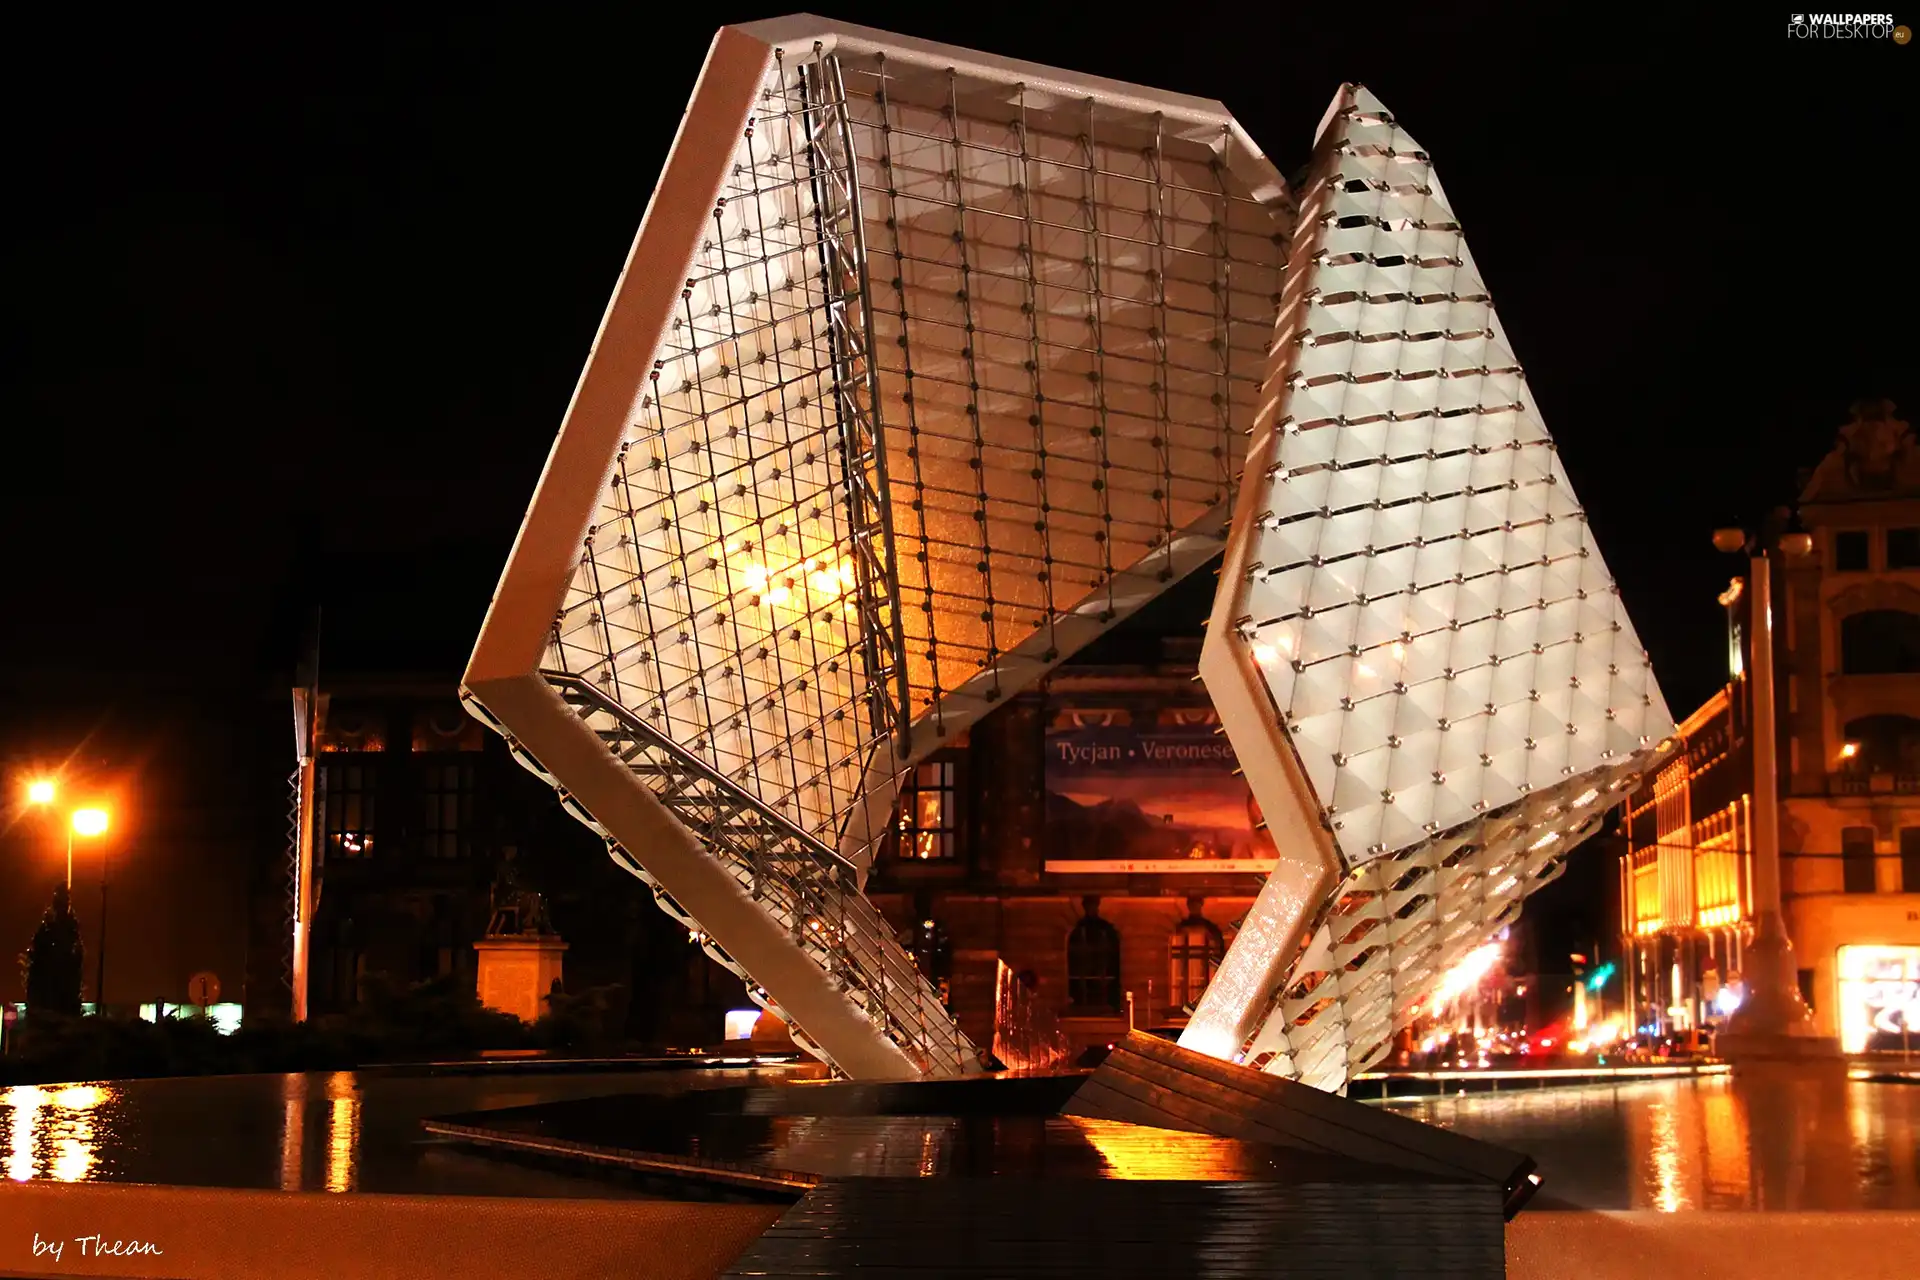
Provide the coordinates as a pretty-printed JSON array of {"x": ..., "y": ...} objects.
[
  {"x": 1093, "y": 835},
  {"x": 418, "y": 816},
  {"x": 1847, "y": 647}
]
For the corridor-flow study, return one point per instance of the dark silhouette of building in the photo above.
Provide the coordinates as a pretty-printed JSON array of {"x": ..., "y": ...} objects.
[{"x": 417, "y": 810}]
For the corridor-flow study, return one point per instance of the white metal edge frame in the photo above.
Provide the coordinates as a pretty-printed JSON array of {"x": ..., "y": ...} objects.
[
  {"x": 504, "y": 674},
  {"x": 504, "y": 682},
  {"x": 1314, "y": 1030}
]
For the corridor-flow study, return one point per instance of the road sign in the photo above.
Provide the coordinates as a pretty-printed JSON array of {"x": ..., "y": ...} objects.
[{"x": 203, "y": 989}]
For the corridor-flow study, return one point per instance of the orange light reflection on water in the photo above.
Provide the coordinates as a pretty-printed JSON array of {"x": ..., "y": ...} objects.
[
  {"x": 343, "y": 1132},
  {"x": 51, "y": 1132}
]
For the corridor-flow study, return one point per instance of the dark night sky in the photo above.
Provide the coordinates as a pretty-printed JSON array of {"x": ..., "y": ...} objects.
[{"x": 297, "y": 299}]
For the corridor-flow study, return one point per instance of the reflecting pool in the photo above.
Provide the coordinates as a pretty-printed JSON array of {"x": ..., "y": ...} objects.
[
  {"x": 1712, "y": 1142},
  {"x": 1715, "y": 1142},
  {"x": 337, "y": 1131}
]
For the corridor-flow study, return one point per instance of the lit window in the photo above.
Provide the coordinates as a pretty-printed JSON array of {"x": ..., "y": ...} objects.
[
  {"x": 446, "y": 728},
  {"x": 1193, "y": 952},
  {"x": 1093, "y": 966},
  {"x": 928, "y": 830},
  {"x": 345, "y": 805},
  {"x": 446, "y": 795},
  {"x": 351, "y": 728}
]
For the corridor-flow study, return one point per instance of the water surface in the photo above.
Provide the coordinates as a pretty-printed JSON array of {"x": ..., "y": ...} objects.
[
  {"x": 325, "y": 1131},
  {"x": 1710, "y": 1142}
]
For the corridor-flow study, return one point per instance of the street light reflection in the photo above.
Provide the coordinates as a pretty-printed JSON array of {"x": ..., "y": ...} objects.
[
  {"x": 343, "y": 1132},
  {"x": 1668, "y": 1195},
  {"x": 51, "y": 1131}
]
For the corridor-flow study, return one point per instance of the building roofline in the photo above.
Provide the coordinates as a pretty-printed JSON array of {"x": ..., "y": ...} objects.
[{"x": 1707, "y": 710}]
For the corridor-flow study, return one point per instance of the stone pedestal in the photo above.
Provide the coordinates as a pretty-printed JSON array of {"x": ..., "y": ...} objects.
[
  {"x": 516, "y": 973},
  {"x": 1773, "y": 1025}
]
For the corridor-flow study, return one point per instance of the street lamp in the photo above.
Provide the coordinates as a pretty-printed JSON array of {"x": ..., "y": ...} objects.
[
  {"x": 40, "y": 791},
  {"x": 1773, "y": 1020}
]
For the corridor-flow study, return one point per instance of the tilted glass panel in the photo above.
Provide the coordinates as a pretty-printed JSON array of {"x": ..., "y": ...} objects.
[
  {"x": 1071, "y": 306},
  {"x": 716, "y": 598}
]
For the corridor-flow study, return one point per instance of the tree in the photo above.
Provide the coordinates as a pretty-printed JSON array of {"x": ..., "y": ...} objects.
[{"x": 54, "y": 960}]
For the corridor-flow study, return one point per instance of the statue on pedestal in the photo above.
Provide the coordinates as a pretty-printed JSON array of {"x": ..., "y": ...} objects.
[{"x": 516, "y": 912}]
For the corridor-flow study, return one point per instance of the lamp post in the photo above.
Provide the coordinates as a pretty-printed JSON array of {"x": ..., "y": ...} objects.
[
  {"x": 85, "y": 822},
  {"x": 92, "y": 822},
  {"x": 1773, "y": 1021}
]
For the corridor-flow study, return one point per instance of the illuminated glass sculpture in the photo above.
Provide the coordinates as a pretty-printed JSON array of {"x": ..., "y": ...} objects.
[
  {"x": 926, "y": 368},
  {"x": 1423, "y": 665}
]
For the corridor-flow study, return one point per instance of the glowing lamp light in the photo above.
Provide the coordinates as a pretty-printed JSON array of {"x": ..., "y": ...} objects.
[
  {"x": 1726, "y": 1000},
  {"x": 1467, "y": 973},
  {"x": 1849, "y": 751},
  {"x": 89, "y": 822},
  {"x": 40, "y": 791}
]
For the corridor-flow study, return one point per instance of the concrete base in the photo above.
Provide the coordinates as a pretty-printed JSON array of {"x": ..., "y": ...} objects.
[
  {"x": 1634, "y": 1245},
  {"x": 212, "y": 1233},
  {"x": 1756, "y": 1047},
  {"x": 1148, "y": 1081},
  {"x": 1774, "y": 1024},
  {"x": 517, "y": 973}
]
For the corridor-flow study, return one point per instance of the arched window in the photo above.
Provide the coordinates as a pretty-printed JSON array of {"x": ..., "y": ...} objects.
[
  {"x": 932, "y": 952},
  {"x": 1884, "y": 744},
  {"x": 1880, "y": 642},
  {"x": 1093, "y": 965},
  {"x": 1193, "y": 953}
]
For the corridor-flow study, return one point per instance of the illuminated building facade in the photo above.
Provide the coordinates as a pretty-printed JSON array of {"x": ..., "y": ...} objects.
[
  {"x": 1847, "y": 647},
  {"x": 1686, "y": 878},
  {"x": 927, "y": 368}
]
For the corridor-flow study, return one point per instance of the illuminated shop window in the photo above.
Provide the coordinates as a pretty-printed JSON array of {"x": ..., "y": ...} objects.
[
  {"x": 345, "y": 803},
  {"x": 1193, "y": 951},
  {"x": 928, "y": 829},
  {"x": 1093, "y": 966},
  {"x": 446, "y": 797},
  {"x": 1879, "y": 997}
]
